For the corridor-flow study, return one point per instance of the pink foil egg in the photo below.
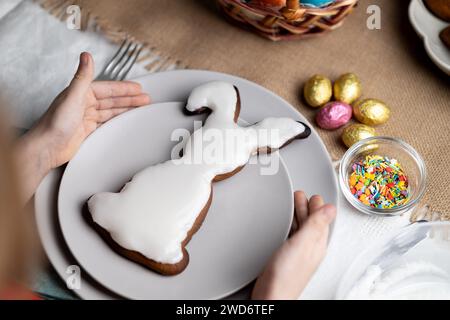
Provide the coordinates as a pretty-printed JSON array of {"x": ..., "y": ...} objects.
[{"x": 334, "y": 115}]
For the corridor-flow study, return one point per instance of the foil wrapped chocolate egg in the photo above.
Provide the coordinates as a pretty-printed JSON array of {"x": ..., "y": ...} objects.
[
  {"x": 347, "y": 88},
  {"x": 317, "y": 91},
  {"x": 356, "y": 132},
  {"x": 334, "y": 115},
  {"x": 372, "y": 112}
]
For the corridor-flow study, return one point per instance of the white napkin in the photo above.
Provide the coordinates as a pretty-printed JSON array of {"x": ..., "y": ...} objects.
[
  {"x": 38, "y": 57},
  {"x": 7, "y": 5},
  {"x": 353, "y": 232}
]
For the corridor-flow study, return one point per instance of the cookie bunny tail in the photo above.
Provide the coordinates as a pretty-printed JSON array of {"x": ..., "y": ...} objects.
[{"x": 222, "y": 98}]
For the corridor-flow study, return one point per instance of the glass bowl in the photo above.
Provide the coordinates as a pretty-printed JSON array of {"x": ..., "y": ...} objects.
[
  {"x": 412, "y": 164},
  {"x": 411, "y": 263}
]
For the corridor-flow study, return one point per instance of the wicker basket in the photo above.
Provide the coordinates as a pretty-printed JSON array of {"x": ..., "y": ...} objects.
[{"x": 291, "y": 22}]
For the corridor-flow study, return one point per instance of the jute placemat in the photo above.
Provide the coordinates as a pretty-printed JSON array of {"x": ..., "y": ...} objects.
[{"x": 391, "y": 63}]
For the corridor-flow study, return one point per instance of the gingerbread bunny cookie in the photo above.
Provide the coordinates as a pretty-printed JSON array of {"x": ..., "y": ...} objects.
[{"x": 154, "y": 216}]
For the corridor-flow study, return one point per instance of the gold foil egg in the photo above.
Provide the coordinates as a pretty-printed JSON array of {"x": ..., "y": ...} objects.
[
  {"x": 317, "y": 91},
  {"x": 372, "y": 112},
  {"x": 356, "y": 132},
  {"x": 347, "y": 88}
]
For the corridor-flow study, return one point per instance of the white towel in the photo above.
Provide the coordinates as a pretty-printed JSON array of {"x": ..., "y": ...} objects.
[
  {"x": 353, "y": 232},
  {"x": 38, "y": 57},
  {"x": 7, "y": 5}
]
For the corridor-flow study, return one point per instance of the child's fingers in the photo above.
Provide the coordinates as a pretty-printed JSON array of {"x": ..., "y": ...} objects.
[
  {"x": 106, "y": 115},
  {"x": 301, "y": 207},
  {"x": 318, "y": 222},
  {"x": 294, "y": 228},
  {"x": 109, "y": 89},
  {"x": 124, "y": 102},
  {"x": 83, "y": 77},
  {"x": 315, "y": 203}
]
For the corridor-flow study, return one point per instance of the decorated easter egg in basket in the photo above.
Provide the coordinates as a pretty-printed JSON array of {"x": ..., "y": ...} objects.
[{"x": 287, "y": 19}]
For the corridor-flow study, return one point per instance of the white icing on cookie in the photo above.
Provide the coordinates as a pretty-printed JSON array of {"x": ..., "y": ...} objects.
[{"x": 154, "y": 212}]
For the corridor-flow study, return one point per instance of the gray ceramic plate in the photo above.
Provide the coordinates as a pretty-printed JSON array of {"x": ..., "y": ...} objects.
[
  {"x": 428, "y": 27},
  {"x": 249, "y": 218},
  {"x": 308, "y": 162}
]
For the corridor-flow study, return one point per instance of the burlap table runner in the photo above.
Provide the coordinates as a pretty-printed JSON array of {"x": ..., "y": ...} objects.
[{"x": 391, "y": 63}]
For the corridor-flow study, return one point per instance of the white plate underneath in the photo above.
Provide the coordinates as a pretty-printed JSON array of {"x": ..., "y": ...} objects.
[
  {"x": 249, "y": 218},
  {"x": 308, "y": 162},
  {"x": 428, "y": 27}
]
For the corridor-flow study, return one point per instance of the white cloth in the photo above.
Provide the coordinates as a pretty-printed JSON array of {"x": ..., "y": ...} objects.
[
  {"x": 38, "y": 57},
  {"x": 353, "y": 232},
  {"x": 7, "y": 5}
]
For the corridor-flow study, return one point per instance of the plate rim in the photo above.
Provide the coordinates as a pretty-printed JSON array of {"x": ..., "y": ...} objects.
[{"x": 412, "y": 10}]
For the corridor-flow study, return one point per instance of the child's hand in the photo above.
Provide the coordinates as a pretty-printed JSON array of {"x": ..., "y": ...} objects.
[
  {"x": 293, "y": 265},
  {"x": 80, "y": 109},
  {"x": 83, "y": 107}
]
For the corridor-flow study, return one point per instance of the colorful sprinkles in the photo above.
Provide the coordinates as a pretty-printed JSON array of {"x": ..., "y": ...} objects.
[{"x": 379, "y": 182}]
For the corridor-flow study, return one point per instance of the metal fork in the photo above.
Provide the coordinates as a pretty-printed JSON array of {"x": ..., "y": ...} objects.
[{"x": 122, "y": 62}]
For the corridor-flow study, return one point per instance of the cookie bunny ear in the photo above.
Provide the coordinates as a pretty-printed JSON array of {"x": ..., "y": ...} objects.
[
  {"x": 222, "y": 98},
  {"x": 305, "y": 134},
  {"x": 275, "y": 133}
]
